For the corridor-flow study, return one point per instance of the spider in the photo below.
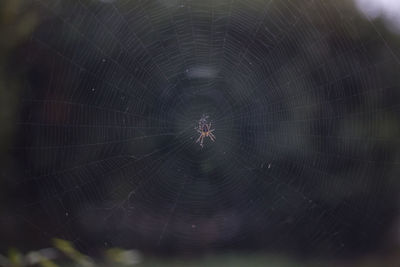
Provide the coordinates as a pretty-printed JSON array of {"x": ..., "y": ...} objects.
[{"x": 205, "y": 131}]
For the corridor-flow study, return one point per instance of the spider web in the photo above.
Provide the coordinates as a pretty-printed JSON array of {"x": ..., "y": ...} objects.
[{"x": 299, "y": 101}]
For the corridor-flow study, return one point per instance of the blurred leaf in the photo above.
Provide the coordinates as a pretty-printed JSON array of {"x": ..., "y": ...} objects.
[
  {"x": 68, "y": 249},
  {"x": 41, "y": 260},
  {"x": 127, "y": 257},
  {"x": 15, "y": 257}
]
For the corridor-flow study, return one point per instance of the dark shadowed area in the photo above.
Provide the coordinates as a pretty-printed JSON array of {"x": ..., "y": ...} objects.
[{"x": 296, "y": 104}]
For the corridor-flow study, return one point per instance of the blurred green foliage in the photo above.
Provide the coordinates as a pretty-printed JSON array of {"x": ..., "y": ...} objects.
[
  {"x": 68, "y": 249},
  {"x": 17, "y": 22},
  {"x": 66, "y": 255}
]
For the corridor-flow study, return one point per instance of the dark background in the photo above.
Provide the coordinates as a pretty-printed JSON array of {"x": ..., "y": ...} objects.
[{"x": 100, "y": 101}]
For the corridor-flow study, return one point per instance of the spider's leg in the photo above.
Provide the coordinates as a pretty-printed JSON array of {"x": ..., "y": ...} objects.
[
  {"x": 212, "y": 137},
  {"x": 201, "y": 142},
  {"x": 198, "y": 139},
  {"x": 212, "y": 131}
]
